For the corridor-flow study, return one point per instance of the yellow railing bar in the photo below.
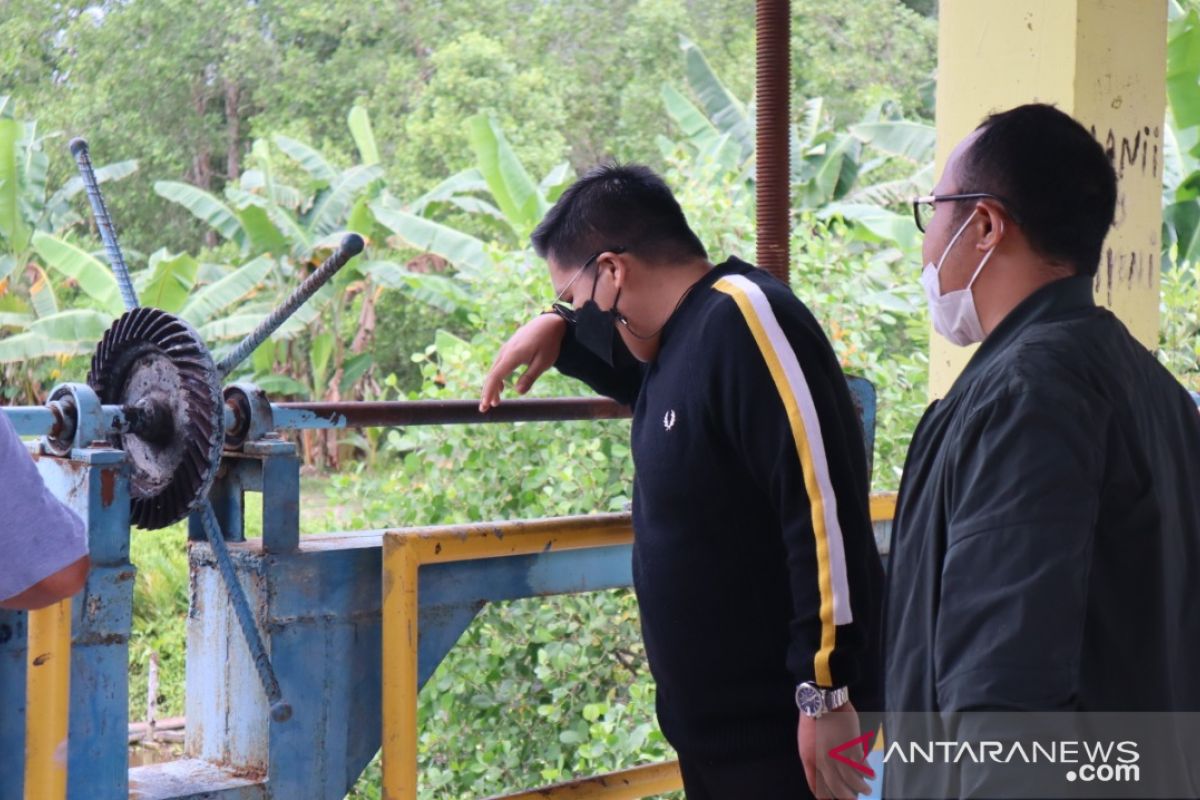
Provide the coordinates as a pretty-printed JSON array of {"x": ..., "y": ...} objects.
[
  {"x": 404, "y": 551},
  {"x": 627, "y": 784},
  {"x": 47, "y": 707},
  {"x": 443, "y": 543},
  {"x": 883, "y": 506}
]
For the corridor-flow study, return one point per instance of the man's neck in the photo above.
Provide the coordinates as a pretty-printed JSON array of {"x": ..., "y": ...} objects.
[
  {"x": 668, "y": 290},
  {"x": 665, "y": 287},
  {"x": 1012, "y": 286}
]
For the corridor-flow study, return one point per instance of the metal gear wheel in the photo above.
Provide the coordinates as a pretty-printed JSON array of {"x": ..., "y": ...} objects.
[{"x": 159, "y": 370}]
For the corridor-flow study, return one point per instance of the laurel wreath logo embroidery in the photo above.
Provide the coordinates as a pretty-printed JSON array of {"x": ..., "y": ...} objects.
[{"x": 669, "y": 420}]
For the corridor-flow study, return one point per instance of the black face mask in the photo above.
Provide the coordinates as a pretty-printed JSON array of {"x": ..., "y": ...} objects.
[{"x": 596, "y": 329}]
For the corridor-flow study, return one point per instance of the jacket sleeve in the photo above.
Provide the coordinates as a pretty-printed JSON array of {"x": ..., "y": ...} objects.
[
  {"x": 622, "y": 381},
  {"x": 784, "y": 406},
  {"x": 1022, "y": 512}
]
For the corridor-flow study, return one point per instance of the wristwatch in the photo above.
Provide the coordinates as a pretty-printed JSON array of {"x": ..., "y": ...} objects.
[{"x": 813, "y": 701}]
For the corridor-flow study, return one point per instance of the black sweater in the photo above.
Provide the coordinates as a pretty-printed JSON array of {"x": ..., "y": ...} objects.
[{"x": 754, "y": 561}]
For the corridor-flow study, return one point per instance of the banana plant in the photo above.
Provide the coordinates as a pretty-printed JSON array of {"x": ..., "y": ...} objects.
[
  {"x": 261, "y": 214},
  {"x": 213, "y": 298},
  {"x": 498, "y": 188},
  {"x": 826, "y": 163},
  {"x": 34, "y": 229},
  {"x": 879, "y": 210},
  {"x": 283, "y": 229},
  {"x": 901, "y": 142},
  {"x": 717, "y": 128},
  {"x": 27, "y": 206},
  {"x": 829, "y": 167},
  {"x": 39, "y": 258},
  {"x": 1181, "y": 141}
]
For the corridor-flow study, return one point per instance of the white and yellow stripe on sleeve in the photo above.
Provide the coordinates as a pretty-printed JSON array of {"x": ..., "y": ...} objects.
[{"x": 810, "y": 447}]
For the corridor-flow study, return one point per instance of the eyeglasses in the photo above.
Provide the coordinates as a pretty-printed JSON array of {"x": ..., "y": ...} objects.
[
  {"x": 923, "y": 206},
  {"x": 558, "y": 297}
]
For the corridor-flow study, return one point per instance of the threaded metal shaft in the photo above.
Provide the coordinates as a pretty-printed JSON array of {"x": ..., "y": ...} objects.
[{"x": 104, "y": 223}]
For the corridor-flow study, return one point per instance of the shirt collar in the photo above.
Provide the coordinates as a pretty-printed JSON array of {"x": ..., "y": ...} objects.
[{"x": 1056, "y": 300}]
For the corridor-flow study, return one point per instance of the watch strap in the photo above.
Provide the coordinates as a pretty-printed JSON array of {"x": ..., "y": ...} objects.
[{"x": 816, "y": 701}]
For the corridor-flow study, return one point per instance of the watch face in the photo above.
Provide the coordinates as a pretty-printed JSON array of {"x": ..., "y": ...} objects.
[{"x": 810, "y": 700}]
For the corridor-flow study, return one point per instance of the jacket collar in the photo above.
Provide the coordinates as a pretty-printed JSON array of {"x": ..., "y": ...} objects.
[{"x": 1056, "y": 300}]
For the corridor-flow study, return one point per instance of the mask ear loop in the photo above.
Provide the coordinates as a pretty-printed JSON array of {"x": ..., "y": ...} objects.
[
  {"x": 954, "y": 241},
  {"x": 595, "y": 283},
  {"x": 982, "y": 263}
]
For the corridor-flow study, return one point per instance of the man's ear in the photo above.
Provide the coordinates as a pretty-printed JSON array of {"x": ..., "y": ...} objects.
[
  {"x": 991, "y": 220},
  {"x": 618, "y": 264}
]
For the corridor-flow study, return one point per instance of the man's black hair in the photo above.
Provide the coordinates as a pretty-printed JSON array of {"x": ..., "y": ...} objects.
[
  {"x": 1059, "y": 184},
  {"x": 616, "y": 206}
]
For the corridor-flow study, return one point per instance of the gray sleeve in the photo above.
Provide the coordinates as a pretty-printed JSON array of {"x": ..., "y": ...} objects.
[{"x": 38, "y": 535}]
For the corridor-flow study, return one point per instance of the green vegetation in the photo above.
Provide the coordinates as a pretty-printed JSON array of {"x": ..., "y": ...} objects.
[{"x": 243, "y": 139}]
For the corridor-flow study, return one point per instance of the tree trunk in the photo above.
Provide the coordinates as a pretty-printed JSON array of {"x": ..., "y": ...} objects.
[
  {"x": 232, "y": 131},
  {"x": 366, "y": 322},
  {"x": 201, "y": 174}
]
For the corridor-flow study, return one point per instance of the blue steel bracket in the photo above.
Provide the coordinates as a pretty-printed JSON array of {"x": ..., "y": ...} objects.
[
  {"x": 248, "y": 415},
  {"x": 80, "y": 419},
  {"x": 269, "y": 466},
  {"x": 95, "y": 484}
]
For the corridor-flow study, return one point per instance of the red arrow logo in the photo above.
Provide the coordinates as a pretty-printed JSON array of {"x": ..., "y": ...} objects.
[{"x": 859, "y": 764}]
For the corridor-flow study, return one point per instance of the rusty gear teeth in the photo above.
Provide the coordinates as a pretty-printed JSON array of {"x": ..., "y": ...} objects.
[{"x": 151, "y": 356}]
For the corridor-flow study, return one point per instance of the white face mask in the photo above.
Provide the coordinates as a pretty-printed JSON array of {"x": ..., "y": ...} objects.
[{"x": 954, "y": 314}]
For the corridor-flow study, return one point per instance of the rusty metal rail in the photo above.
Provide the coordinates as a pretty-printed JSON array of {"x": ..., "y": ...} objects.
[
  {"x": 50, "y": 420},
  {"x": 290, "y": 416}
]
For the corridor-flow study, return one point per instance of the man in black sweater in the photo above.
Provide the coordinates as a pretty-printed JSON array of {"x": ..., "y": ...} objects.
[{"x": 754, "y": 561}]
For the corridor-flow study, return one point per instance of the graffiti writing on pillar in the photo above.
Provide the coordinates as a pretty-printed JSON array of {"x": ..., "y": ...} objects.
[
  {"x": 1138, "y": 152},
  {"x": 1135, "y": 150},
  {"x": 1141, "y": 150},
  {"x": 1125, "y": 269}
]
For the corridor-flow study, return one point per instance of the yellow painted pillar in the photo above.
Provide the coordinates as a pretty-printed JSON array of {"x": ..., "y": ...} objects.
[
  {"x": 1103, "y": 62},
  {"x": 47, "y": 702}
]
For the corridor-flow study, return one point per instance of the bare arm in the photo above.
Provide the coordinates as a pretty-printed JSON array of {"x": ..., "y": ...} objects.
[{"x": 67, "y": 582}]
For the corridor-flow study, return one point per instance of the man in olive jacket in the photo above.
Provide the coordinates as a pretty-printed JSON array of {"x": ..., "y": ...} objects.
[{"x": 1047, "y": 536}]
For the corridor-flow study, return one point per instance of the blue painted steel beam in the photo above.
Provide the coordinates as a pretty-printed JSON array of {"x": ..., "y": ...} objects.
[
  {"x": 43, "y": 421},
  {"x": 95, "y": 485},
  {"x": 30, "y": 420},
  {"x": 13, "y": 634}
]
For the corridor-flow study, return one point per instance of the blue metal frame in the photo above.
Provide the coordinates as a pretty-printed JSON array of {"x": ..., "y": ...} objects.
[
  {"x": 95, "y": 483},
  {"x": 316, "y": 601}
]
